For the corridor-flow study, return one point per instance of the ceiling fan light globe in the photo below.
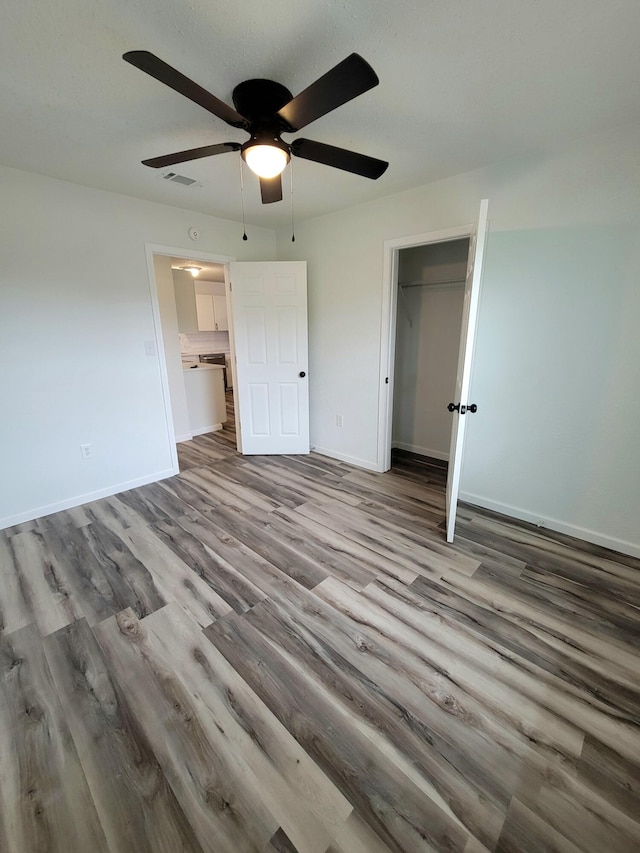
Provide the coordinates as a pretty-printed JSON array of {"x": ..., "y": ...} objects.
[{"x": 267, "y": 161}]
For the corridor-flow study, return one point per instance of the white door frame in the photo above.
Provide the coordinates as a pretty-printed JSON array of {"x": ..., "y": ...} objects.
[
  {"x": 152, "y": 249},
  {"x": 392, "y": 250}
]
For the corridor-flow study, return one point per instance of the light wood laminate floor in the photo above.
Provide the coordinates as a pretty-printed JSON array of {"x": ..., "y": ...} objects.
[{"x": 282, "y": 654}]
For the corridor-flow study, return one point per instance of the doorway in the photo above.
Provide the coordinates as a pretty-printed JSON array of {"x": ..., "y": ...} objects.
[
  {"x": 430, "y": 294},
  {"x": 267, "y": 328},
  {"x": 475, "y": 238},
  {"x": 160, "y": 260},
  {"x": 420, "y": 273}
]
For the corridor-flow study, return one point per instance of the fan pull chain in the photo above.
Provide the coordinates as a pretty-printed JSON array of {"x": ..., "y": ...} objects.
[
  {"x": 244, "y": 225},
  {"x": 293, "y": 236}
]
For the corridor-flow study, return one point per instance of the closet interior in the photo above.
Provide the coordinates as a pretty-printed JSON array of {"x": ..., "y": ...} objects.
[{"x": 431, "y": 280}]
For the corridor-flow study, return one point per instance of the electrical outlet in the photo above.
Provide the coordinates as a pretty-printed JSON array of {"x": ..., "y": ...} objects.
[
  {"x": 339, "y": 420},
  {"x": 86, "y": 451},
  {"x": 149, "y": 347}
]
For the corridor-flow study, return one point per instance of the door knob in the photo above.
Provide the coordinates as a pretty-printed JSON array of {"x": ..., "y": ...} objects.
[
  {"x": 302, "y": 374},
  {"x": 456, "y": 407}
]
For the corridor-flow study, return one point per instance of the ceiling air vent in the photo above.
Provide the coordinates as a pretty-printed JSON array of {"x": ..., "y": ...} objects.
[{"x": 175, "y": 178}]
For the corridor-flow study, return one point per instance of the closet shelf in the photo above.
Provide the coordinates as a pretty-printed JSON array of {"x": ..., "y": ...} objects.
[{"x": 432, "y": 283}]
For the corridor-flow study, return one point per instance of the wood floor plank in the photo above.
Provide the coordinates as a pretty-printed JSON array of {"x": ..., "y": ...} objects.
[
  {"x": 545, "y": 630},
  {"x": 599, "y": 614},
  {"x": 391, "y": 484},
  {"x": 308, "y": 807},
  {"x": 576, "y": 812},
  {"x": 412, "y": 550},
  {"x": 614, "y": 778},
  {"x": 179, "y": 491},
  {"x": 323, "y": 465},
  {"x": 379, "y": 564},
  {"x": 176, "y": 581},
  {"x": 315, "y": 551},
  {"x": 201, "y": 749},
  {"x": 526, "y": 832},
  {"x": 507, "y": 690},
  {"x": 44, "y": 796},
  {"x": 218, "y": 489},
  {"x": 20, "y": 528},
  {"x": 248, "y": 478},
  {"x": 45, "y": 590},
  {"x": 206, "y": 548},
  {"x": 415, "y": 734},
  {"x": 111, "y": 513},
  {"x": 302, "y": 484},
  {"x": 357, "y": 837},
  {"x": 281, "y": 843},
  {"x": 423, "y": 521},
  {"x": 254, "y": 532},
  {"x": 206, "y": 781},
  {"x": 192, "y": 455},
  {"x": 15, "y": 612},
  {"x": 610, "y": 578},
  {"x": 385, "y": 797},
  {"x": 101, "y": 573},
  {"x": 137, "y": 808}
]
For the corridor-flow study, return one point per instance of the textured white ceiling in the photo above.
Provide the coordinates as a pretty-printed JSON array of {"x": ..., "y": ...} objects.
[{"x": 463, "y": 83}]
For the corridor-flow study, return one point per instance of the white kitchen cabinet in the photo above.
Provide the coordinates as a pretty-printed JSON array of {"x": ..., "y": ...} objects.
[
  {"x": 201, "y": 306},
  {"x": 211, "y": 306},
  {"x": 205, "y": 313},
  {"x": 220, "y": 312}
]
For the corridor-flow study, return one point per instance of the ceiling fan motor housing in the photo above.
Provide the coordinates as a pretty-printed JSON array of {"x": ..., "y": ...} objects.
[{"x": 259, "y": 101}]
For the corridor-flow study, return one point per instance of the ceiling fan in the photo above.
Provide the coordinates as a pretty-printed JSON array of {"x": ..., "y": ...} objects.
[{"x": 266, "y": 110}]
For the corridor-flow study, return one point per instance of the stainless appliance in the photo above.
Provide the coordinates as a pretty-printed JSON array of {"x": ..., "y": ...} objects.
[{"x": 216, "y": 358}]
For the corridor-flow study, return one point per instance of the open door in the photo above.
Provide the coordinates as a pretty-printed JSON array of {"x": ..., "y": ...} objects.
[
  {"x": 461, "y": 408},
  {"x": 269, "y": 327}
]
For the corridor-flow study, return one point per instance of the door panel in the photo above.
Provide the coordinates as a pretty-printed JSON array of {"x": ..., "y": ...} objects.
[
  {"x": 269, "y": 310},
  {"x": 465, "y": 357}
]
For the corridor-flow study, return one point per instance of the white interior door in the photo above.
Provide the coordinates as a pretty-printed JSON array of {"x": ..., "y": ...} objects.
[
  {"x": 467, "y": 340},
  {"x": 269, "y": 319}
]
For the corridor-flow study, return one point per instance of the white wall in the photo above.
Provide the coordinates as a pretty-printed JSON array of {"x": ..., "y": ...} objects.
[
  {"x": 557, "y": 366},
  {"x": 75, "y": 312}
]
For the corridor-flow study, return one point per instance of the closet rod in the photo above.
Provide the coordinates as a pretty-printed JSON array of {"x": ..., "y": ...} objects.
[{"x": 428, "y": 283}]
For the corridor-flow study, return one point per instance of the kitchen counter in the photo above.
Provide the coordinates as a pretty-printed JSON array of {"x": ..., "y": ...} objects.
[
  {"x": 198, "y": 365},
  {"x": 204, "y": 389}
]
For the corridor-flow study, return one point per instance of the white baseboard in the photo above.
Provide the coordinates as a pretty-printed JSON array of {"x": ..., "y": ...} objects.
[
  {"x": 186, "y": 437},
  {"x": 622, "y": 546},
  {"x": 78, "y": 500},
  {"x": 421, "y": 451},
  {"x": 202, "y": 430},
  {"x": 344, "y": 457}
]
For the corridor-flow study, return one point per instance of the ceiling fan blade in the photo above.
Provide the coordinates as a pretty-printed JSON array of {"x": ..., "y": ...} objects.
[
  {"x": 271, "y": 189},
  {"x": 339, "y": 158},
  {"x": 345, "y": 81},
  {"x": 150, "y": 64},
  {"x": 191, "y": 154}
]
